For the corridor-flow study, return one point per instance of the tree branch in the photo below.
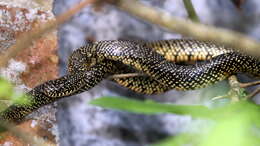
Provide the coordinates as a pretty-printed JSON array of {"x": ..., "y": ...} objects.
[
  {"x": 185, "y": 27},
  {"x": 27, "y": 39},
  {"x": 245, "y": 85},
  {"x": 252, "y": 94}
]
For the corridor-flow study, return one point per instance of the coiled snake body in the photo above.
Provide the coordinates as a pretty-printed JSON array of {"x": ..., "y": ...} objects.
[{"x": 92, "y": 63}]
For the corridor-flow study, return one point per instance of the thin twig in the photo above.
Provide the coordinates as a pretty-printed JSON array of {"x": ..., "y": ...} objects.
[
  {"x": 188, "y": 28},
  {"x": 252, "y": 94},
  {"x": 237, "y": 86},
  {"x": 191, "y": 11},
  {"x": 234, "y": 88},
  {"x": 27, "y": 39},
  {"x": 245, "y": 85}
]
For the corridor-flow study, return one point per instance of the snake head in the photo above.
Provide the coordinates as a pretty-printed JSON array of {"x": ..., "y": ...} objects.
[{"x": 83, "y": 58}]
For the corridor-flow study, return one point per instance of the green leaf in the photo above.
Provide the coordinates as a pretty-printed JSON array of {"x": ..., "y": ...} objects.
[
  {"x": 150, "y": 107},
  {"x": 4, "y": 104},
  {"x": 6, "y": 89},
  {"x": 21, "y": 99},
  {"x": 236, "y": 124},
  {"x": 180, "y": 140},
  {"x": 7, "y": 95},
  {"x": 235, "y": 133}
]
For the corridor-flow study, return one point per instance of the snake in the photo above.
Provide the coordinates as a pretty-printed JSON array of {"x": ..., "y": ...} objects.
[{"x": 156, "y": 60}]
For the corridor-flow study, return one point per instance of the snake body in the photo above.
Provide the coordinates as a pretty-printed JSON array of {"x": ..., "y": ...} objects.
[
  {"x": 176, "y": 50},
  {"x": 92, "y": 63}
]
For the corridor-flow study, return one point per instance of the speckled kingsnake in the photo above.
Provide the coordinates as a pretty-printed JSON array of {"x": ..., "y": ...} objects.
[{"x": 92, "y": 63}]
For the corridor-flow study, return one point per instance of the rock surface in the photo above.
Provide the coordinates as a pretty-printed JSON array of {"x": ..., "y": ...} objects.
[{"x": 32, "y": 66}]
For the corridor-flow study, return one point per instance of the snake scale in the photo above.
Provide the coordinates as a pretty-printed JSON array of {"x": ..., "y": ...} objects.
[{"x": 90, "y": 64}]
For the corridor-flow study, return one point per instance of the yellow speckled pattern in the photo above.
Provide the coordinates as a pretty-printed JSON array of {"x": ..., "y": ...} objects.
[
  {"x": 178, "y": 50},
  {"x": 92, "y": 63},
  {"x": 182, "y": 50}
]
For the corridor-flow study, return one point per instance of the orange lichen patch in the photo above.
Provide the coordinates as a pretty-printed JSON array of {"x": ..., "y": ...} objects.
[
  {"x": 32, "y": 133},
  {"x": 41, "y": 60},
  {"x": 8, "y": 138},
  {"x": 21, "y": 19},
  {"x": 14, "y": 21}
]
